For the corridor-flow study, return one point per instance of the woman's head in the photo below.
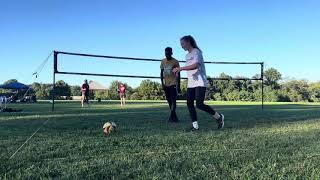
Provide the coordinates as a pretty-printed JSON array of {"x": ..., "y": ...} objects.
[{"x": 188, "y": 42}]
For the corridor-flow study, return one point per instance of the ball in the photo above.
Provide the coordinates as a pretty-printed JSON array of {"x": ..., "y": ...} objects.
[{"x": 108, "y": 127}]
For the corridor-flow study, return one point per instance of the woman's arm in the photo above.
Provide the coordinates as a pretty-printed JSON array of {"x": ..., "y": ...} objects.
[
  {"x": 161, "y": 77},
  {"x": 190, "y": 67},
  {"x": 186, "y": 68}
]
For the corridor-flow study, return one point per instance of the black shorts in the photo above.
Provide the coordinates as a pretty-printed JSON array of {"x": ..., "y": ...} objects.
[{"x": 85, "y": 95}]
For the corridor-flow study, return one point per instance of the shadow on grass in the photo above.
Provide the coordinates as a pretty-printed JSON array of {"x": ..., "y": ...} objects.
[{"x": 154, "y": 114}]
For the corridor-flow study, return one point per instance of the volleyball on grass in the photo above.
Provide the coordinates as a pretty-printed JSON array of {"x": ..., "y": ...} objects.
[{"x": 108, "y": 127}]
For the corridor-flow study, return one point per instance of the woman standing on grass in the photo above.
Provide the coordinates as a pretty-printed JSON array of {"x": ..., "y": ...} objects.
[
  {"x": 122, "y": 94},
  {"x": 197, "y": 82}
]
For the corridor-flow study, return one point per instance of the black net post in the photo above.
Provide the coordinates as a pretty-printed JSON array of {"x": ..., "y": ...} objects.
[
  {"x": 55, "y": 70},
  {"x": 262, "y": 85}
]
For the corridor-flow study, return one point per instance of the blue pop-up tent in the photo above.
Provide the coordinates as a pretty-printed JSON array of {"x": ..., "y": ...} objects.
[
  {"x": 14, "y": 85},
  {"x": 5, "y": 100}
]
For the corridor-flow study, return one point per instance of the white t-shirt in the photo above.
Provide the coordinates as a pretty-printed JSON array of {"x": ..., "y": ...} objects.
[{"x": 196, "y": 77}]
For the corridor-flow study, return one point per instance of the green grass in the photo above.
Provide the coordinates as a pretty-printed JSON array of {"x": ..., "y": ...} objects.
[{"x": 280, "y": 142}]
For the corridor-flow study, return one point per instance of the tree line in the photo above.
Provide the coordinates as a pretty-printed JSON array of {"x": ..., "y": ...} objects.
[{"x": 275, "y": 90}]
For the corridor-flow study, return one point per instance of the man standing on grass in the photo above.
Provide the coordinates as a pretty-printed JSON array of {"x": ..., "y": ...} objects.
[
  {"x": 85, "y": 93},
  {"x": 170, "y": 82}
]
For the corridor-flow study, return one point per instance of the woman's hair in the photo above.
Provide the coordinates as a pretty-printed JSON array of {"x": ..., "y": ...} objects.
[{"x": 191, "y": 40}]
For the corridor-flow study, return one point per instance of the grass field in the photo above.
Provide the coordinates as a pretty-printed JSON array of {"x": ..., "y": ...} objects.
[{"x": 280, "y": 142}]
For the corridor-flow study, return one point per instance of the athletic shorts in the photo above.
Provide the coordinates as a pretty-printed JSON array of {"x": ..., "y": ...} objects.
[{"x": 122, "y": 95}]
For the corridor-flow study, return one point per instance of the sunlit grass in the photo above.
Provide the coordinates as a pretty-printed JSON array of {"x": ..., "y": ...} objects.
[{"x": 281, "y": 141}]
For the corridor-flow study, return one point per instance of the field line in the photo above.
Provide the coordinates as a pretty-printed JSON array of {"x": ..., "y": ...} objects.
[{"x": 45, "y": 122}]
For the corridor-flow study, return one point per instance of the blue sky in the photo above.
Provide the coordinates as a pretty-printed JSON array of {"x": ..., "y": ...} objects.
[{"x": 284, "y": 34}]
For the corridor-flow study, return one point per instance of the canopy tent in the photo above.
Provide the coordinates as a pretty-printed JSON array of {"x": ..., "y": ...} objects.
[
  {"x": 14, "y": 85},
  {"x": 96, "y": 86},
  {"x": 13, "y": 96}
]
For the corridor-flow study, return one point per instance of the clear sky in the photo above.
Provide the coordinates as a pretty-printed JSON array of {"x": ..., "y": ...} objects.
[{"x": 284, "y": 34}]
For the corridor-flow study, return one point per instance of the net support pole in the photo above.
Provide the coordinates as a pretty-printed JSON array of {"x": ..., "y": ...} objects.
[
  {"x": 262, "y": 85},
  {"x": 55, "y": 70}
]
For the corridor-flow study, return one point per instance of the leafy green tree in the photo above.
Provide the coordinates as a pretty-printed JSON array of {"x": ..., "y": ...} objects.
[
  {"x": 75, "y": 90},
  {"x": 314, "y": 90},
  {"x": 272, "y": 78},
  {"x": 62, "y": 89},
  {"x": 297, "y": 90},
  {"x": 256, "y": 84},
  {"x": 270, "y": 95},
  {"x": 150, "y": 90},
  {"x": 222, "y": 90},
  {"x": 42, "y": 91},
  {"x": 184, "y": 87},
  {"x": 135, "y": 96},
  {"x": 101, "y": 94},
  {"x": 245, "y": 95}
]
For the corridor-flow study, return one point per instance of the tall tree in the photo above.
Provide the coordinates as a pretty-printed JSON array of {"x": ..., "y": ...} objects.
[
  {"x": 62, "y": 89},
  {"x": 150, "y": 90},
  {"x": 272, "y": 78}
]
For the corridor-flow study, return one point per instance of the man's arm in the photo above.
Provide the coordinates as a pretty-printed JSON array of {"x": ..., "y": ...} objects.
[
  {"x": 161, "y": 76},
  {"x": 178, "y": 83},
  {"x": 178, "y": 75}
]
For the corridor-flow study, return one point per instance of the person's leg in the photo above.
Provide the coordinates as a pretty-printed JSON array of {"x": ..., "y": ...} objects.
[
  {"x": 173, "y": 98},
  {"x": 200, "y": 95},
  {"x": 82, "y": 100},
  {"x": 168, "y": 98},
  {"x": 173, "y": 95},
  {"x": 121, "y": 100},
  {"x": 190, "y": 103},
  {"x": 87, "y": 99},
  {"x": 167, "y": 94},
  {"x": 122, "y": 104}
]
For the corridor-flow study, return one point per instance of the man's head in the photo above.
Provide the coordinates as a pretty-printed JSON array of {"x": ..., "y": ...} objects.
[
  {"x": 85, "y": 81},
  {"x": 168, "y": 53}
]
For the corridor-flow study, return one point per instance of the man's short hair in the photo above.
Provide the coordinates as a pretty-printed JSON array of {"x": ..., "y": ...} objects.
[{"x": 168, "y": 49}]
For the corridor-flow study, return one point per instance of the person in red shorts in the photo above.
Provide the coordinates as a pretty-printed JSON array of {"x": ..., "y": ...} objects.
[
  {"x": 85, "y": 93},
  {"x": 122, "y": 94}
]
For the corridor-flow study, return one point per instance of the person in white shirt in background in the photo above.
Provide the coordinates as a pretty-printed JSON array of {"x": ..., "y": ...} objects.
[{"x": 197, "y": 82}]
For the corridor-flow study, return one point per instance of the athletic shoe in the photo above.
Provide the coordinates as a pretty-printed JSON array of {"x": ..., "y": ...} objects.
[
  {"x": 192, "y": 129},
  {"x": 173, "y": 119},
  {"x": 220, "y": 121}
]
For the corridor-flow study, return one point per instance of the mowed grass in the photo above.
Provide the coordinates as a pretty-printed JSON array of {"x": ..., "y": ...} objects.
[{"x": 280, "y": 142}]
